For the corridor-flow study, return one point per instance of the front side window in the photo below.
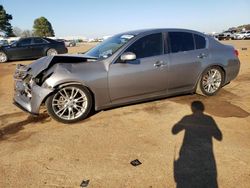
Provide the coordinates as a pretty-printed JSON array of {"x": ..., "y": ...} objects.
[
  {"x": 181, "y": 41},
  {"x": 24, "y": 42},
  {"x": 200, "y": 42},
  {"x": 109, "y": 46},
  {"x": 150, "y": 45}
]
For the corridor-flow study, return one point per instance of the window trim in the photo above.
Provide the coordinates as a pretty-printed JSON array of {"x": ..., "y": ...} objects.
[
  {"x": 169, "y": 41},
  {"x": 206, "y": 41},
  {"x": 166, "y": 43},
  {"x": 169, "y": 51},
  {"x": 26, "y": 44},
  {"x": 33, "y": 43}
]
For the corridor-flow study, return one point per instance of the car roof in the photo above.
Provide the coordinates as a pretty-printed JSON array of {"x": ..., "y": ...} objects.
[{"x": 147, "y": 31}]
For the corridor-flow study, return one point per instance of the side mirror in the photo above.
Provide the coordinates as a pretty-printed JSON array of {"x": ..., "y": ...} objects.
[{"x": 128, "y": 56}]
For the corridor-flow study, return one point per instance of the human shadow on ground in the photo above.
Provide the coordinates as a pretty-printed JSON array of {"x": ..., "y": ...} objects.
[{"x": 196, "y": 165}]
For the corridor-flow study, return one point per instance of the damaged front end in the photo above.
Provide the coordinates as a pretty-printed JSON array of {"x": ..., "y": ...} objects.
[
  {"x": 30, "y": 90},
  {"x": 28, "y": 95}
]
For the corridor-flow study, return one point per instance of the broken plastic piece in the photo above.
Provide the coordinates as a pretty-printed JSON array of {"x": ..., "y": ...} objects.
[
  {"x": 84, "y": 183},
  {"x": 135, "y": 162}
]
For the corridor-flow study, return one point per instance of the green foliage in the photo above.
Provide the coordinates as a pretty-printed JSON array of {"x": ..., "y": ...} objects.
[
  {"x": 5, "y": 25},
  {"x": 247, "y": 27},
  {"x": 240, "y": 28},
  {"x": 43, "y": 28}
]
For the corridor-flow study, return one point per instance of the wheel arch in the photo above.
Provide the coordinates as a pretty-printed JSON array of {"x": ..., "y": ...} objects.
[
  {"x": 207, "y": 67},
  {"x": 61, "y": 85},
  {"x": 6, "y": 53}
]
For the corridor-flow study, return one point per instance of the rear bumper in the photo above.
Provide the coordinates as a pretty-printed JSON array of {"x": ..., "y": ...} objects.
[
  {"x": 232, "y": 70},
  {"x": 63, "y": 50}
]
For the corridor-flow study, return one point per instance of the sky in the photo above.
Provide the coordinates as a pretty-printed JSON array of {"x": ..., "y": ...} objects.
[{"x": 93, "y": 18}]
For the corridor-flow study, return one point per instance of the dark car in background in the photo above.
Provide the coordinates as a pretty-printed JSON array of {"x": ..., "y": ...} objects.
[{"x": 31, "y": 48}]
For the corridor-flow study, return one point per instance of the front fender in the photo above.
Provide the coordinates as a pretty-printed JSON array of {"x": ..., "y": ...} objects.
[{"x": 69, "y": 74}]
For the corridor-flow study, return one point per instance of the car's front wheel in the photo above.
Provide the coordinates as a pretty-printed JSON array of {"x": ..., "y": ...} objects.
[
  {"x": 69, "y": 104},
  {"x": 51, "y": 52},
  {"x": 211, "y": 81},
  {"x": 3, "y": 57}
]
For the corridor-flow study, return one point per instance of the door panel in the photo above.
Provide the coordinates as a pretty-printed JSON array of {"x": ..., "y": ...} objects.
[
  {"x": 186, "y": 60},
  {"x": 38, "y": 50},
  {"x": 139, "y": 77},
  {"x": 38, "y": 47},
  {"x": 21, "y": 50},
  {"x": 184, "y": 69}
]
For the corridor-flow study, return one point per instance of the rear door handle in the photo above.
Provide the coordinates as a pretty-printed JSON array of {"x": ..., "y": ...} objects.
[
  {"x": 159, "y": 64},
  {"x": 202, "y": 55}
]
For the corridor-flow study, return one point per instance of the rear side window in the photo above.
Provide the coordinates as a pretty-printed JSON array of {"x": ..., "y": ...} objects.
[
  {"x": 39, "y": 41},
  {"x": 200, "y": 42},
  {"x": 181, "y": 41},
  {"x": 150, "y": 45}
]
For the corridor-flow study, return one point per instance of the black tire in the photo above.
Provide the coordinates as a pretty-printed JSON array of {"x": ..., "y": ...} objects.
[
  {"x": 201, "y": 89},
  {"x": 3, "y": 57},
  {"x": 52, "y": 98}
]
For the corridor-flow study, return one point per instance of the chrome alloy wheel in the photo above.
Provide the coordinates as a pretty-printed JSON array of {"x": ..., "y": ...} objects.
[
  {"x": 51, "y": 52},
  {"x": 3, "y": 57},
  {"x": 69, "y": 103},
  {"x": 211, "y": 80}
]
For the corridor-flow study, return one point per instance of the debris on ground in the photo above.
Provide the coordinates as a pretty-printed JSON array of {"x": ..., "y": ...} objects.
[
  {"x": 84, "y": 183},
  {"x": 135, "y": 162}
]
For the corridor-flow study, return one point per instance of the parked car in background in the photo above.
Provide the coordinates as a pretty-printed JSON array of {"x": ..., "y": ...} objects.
[
  {"x": 242, "y": 35},
  {"x": 70, "y": 43},
  {"x": 226, "y": 35},
  {"x": 247, "y": 37},
  {"x": 30, "y": 48},
  {"x": 127, "y": 68},
  {"x": 3, "y": 42}
]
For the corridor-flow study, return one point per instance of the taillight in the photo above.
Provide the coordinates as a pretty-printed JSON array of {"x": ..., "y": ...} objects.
[{"x": 236, "y": 52}]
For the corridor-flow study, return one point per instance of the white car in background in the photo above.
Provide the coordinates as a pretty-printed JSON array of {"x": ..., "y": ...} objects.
[
  {"x": 242, "y": 35},
  {"x": 247, "y": 37}
]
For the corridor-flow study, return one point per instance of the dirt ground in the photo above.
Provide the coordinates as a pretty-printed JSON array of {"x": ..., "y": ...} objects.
[{"x": 40, "y": 152}]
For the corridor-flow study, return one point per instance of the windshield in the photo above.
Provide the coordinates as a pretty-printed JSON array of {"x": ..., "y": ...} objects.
[{"x": 109, "y": 46}]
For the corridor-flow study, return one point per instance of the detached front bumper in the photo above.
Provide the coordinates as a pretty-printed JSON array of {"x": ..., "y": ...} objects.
[{"x": 27, "y": 94}]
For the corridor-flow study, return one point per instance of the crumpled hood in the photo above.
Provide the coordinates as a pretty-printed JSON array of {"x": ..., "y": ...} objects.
[{"x": 46, "y": 62}]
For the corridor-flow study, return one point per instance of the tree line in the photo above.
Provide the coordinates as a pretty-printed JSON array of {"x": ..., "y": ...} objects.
[{"x": 41, "y": 27}]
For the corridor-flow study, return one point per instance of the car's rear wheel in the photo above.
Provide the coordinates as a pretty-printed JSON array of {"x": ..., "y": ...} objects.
[
  {"x": 211, "y": 81},
  {"x": 51, "y": 52},
  {"x": 69, "y": 104},
  {"x": 3, "y": 57}
]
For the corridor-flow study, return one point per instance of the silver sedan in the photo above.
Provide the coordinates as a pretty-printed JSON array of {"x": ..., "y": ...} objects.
[{"x": 127, "y": 68}]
